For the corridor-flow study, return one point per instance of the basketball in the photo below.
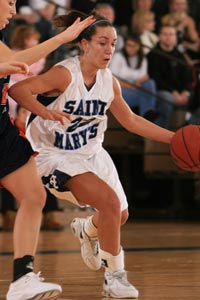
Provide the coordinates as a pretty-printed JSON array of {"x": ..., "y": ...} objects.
[{"x": 185, "y": 148}]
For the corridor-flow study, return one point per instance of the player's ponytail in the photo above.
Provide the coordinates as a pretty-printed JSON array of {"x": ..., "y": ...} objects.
[{"x": 64, "y": 21}]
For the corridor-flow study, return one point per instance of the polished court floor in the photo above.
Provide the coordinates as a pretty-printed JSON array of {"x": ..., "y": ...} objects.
[{"x": 162, "y": 260}]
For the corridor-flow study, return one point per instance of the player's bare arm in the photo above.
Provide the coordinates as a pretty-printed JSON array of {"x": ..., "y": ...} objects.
[
  {"x": 135, "y": 123},
  {"x": 55, "y": 80},
  {"x": 33, "y": 54}
]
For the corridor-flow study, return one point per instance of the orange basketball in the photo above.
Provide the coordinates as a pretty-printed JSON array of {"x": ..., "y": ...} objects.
[{"x": 185, "y": 148}]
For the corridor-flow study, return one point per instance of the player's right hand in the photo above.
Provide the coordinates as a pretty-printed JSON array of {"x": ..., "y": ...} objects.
[{"x": 55, "y": 115}]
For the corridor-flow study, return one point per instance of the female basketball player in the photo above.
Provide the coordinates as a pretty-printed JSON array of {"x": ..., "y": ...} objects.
[
  {"x": 71, "y": 156},
  {"x": 18, "y": 172}
]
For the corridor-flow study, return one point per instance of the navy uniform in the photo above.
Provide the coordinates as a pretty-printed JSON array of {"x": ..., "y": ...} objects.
[{"x": 15, "y": 150}]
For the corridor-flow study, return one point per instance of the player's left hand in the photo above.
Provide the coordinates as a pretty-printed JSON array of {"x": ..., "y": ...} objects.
[
  {"x": 13, "y": 67},
  {"x": 73, "y": 31}
]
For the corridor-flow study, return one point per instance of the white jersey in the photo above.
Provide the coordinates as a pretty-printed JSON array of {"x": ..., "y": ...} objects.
[
  {"x": 84, "y": 134},
  {"x": 76, "y": 148}
]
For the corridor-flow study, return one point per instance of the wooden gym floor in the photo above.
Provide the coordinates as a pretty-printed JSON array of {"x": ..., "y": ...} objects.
[{"x": 162, "y": 259}]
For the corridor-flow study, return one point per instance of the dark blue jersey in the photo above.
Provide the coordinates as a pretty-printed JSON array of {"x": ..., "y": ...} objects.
[
  {"x": 15, "y": 150},
  {"x": 4, "y": 108}
]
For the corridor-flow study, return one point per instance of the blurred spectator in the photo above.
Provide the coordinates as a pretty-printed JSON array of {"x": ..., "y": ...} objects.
[
  {"x": 194, "y": 9},
  {"x": 107, "y": 11},
  {"x": 160, "y": 8},
  {"x": 177, "y": 19},
  {"x": 143, "y": 23},
  {"x": 123, "y": 10},
  {"x": 167, "y": 66},
  {"x": 25, "y": 15},
  {"x": 188, "y": 34},
  {"x": 62, "y": 6},
  {"x": 45, "y": 11},
  {"x": 130, "y": 67},
  {"x": 87, "y": 6},
  {"x": 24, "y": 37},
  {"x": 143, "y": 5},
  {"x": 38, "y": 13}
]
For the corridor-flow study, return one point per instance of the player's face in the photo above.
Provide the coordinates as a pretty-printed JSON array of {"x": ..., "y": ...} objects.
[
  {"x": 8, "y": 10},
  {"x": 101, "y": 47}
]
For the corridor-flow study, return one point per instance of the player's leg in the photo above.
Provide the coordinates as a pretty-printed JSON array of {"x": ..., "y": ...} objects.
[
  {"x": 30, "y": 195},
  {"x": 90, "y": 189},
  {"x": 26, "y": 187},
  {"x": 106, "y": 170},
  {"x": 86, "y": 230},
  {"x": 95, "y": 217}
]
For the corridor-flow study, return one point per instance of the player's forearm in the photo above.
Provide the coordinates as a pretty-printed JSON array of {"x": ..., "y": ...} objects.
[
  {"x": 32, "y": 55},
  {"x": 150, "y": 130},
  {"x": 27, "y": 100}
]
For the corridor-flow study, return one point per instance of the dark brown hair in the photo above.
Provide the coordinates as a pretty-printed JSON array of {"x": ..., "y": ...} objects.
[
  {"x": 64, "y": 21},
  {"x": 140, "y": 55}
]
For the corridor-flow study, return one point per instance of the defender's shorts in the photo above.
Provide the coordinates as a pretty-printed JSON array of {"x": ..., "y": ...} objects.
[{"x": 15, "y": 150}]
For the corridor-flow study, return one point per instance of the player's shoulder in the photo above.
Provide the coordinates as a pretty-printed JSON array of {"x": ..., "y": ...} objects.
[
  {"x": 68, "y": 63},
  {"x": 116, "y": 85},
  {"x": 106, "y": 73}
]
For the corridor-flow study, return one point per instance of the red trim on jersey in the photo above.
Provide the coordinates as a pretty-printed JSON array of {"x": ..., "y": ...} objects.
[{"x": 4, "y": 93}]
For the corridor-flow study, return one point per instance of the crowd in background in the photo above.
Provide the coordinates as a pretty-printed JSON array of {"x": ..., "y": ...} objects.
[
  {"x": 157, "y": 53},
  {"x": 157, "y": 50}
]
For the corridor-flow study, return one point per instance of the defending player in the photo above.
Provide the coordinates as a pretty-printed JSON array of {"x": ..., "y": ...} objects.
[{"x": 17, "y": 164}]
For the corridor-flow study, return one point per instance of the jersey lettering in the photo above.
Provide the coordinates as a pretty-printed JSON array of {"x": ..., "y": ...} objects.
[
  {"x": 53, "y": 182},
  {"x": 75, "y": 140},
  {"x": 79, "y": 122},
  {"x": 83, "y": 134},
  {"x": 85, "y": 108}
]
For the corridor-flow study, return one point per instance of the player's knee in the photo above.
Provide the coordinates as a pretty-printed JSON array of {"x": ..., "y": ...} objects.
[
  {"x": 113, "y": 206},
  {"x": 36, "y": 199},
  {"x": 41, "y": 197},
  {"x": 108, "y": 204},
  {"x": 124, "y": 216}
]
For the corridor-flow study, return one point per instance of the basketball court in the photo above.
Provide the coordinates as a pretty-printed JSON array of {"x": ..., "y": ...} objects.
[{"x": 162, "y": 260}]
